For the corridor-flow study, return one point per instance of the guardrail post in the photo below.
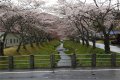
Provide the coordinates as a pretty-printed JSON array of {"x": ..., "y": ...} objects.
[
  {"x": 32, "y": 64},
  {"x": 52, "y": 59},
  {"x": 73, "y": 60},
  {"x": 113, "y": 60},
  {"x": 11, "y": 62},
  {"x": 93, "y": 63}
]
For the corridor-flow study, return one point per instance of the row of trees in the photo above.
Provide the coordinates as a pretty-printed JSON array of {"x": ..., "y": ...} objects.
[
  {"x": 90, "y": 19},
  {"x": 24, "y": 23}
]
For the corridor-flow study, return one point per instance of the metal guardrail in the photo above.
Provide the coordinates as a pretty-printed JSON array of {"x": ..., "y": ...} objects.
[{"x": 77, "y": 60}]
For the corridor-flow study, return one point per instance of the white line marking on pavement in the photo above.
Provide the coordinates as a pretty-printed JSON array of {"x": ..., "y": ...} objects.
[
  {"x": 25, "y": 72},
  {"x": 87, "y": 70}
]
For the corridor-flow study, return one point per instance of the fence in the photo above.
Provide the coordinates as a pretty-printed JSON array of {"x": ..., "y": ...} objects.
[{"x": 50, "y": 61}]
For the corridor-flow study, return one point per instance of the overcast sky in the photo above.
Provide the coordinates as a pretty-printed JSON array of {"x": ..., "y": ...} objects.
[
  {"x": 52, "y": 2},
  {"x": 48, "y": 2}
]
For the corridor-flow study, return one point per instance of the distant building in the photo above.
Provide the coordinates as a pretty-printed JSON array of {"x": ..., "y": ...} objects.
[
  {"x": 113, "y": 34},
  {"x": 12, "y": 39}
]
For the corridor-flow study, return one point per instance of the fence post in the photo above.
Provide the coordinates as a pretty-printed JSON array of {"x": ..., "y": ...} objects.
[
  {"x": 32, "y": 64},
  {"x": 52, "y": 59},
  {"x": 73, "y": 60},
  {"x": 11, "y": 62},
  {"x": 113, "y": 60},
  {"x": 1, "y": 48},
  {"x": 93, "y": 63}
]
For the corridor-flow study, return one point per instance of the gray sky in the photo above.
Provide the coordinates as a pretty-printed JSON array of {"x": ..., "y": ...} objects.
[
  {"x": 52, "y": 2},
  {"x": 48, "y": 2}
]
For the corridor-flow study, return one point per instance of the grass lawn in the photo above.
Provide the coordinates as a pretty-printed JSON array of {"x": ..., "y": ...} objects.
[
  {"x": 21, "y": 59},
  {"x": 84, "y": 55},
  {"x": 44, "y": 48},
  {"x": 75, "y": 47},
  {"x": 100, "y": 41}
]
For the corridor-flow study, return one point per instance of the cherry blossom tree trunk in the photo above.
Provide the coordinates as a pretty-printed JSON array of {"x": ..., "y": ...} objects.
[{"x": 107, "y": 43}]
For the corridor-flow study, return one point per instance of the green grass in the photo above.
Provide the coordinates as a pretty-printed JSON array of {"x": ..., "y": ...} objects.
[
  {"x": 44, "y": 48},
  {"x": 75, "y": 47},
  {"x": 84, "y": 55},
  {"x": 99, "y": 41},
  {"x": 41, "y": 55}
]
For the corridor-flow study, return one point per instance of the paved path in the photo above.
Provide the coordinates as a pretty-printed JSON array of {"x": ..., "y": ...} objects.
[
  {"x": 80, "y": 74},
  {"x": 65, "y": 59},
  {"x": 112, "y": 48}
]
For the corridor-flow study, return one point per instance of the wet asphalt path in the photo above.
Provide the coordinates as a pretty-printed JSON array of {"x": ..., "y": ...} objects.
[
  {"x": 101, "y": 46},
  {"x": 65, "y": 60},
  {"x": 80, "y": 74},
  {"x": 112, "y": 47}
]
